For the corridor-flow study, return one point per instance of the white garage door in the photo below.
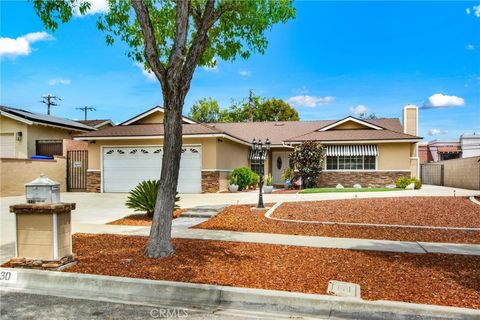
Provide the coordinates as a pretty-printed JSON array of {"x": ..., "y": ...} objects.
[
  {"x": 125, "y": 167},
  {"x": 7, "y": 145}
]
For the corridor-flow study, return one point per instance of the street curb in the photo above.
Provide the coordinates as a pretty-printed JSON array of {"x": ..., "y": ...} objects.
[
  {"x": 154, "y": 292},
  {"x": 472, "y": 198}
]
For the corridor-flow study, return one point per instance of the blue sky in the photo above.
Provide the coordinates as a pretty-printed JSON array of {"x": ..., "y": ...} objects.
[{"x": 334, "y": 59}]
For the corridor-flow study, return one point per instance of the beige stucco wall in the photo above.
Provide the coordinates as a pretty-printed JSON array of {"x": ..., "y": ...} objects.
[
  {"x": 39, "y": 132},
  {"x": 14, "y": 173},
  {"x": 349, "y": 125},
  {"x": 156, "y": 117},
  {"x": 462, "y": 173},
  {"x": 231, "y": 155},
  {"x": 393, "y": 156},
  {"x": 410, "y": 119},
  {"x": 8, "y": 125}
]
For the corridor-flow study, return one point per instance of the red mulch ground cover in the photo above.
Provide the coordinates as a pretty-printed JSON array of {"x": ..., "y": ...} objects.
[
  {"x": 240, "y": 218},
  {"x": 452, "y": 280},
  {"x": 419, "y": 211},
  {"x": 141, "y": 219}
]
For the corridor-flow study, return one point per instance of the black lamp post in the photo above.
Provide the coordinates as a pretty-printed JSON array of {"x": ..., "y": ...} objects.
[{"x": 259, "y": 152}]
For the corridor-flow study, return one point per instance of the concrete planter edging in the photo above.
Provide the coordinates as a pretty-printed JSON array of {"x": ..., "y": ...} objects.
[{"x": 153, "y": 292}]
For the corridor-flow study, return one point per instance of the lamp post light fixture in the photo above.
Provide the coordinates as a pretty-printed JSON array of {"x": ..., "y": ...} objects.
[{"x": 259, "y": 154}]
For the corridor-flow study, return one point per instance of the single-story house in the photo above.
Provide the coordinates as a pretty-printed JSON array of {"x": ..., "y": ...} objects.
[
  {"x": 24, "y": 134},
  {"x": 369, "y": 152}
]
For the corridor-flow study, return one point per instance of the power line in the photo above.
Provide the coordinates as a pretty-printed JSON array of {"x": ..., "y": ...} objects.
[
  {"x": 85, "y": 110},
  {"x": 50, "y": 100}
]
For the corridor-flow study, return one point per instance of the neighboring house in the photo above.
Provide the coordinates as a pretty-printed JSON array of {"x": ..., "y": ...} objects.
[
  {"x": 98, "y": 123},
  {"x": 369, "y": 152},
  {"x": 24, "y": 134},
  {"x": 467, "y": 146}
]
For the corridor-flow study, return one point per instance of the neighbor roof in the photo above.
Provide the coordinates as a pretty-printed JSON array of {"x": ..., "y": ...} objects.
[
  {"x": 96, "y": 123},
  {"x": 149, "y": 112},
  {"x": 31, "y": 118}
]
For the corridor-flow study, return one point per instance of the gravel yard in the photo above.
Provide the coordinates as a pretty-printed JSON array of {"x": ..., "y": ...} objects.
[
  {"x": 418, "y": 211},
  {"x": 240, "y": 218},
  {"x": 451, "y": 280}
]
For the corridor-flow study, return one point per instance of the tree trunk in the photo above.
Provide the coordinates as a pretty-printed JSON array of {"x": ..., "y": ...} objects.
[{"x": 159, "y": 243}]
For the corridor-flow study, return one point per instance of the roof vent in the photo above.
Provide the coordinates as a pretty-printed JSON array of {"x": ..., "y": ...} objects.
[{"x": 279, "y": 124}]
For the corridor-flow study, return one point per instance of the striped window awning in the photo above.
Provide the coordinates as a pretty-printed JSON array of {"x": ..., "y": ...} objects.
[
  {"x": 355, "y": 150},
  {"x": 257, "y": 155}
]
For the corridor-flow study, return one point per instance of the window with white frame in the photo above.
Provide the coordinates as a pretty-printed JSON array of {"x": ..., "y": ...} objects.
[
  {"x": 351, "y": 163},
  {"x": 347, "y": 157}
]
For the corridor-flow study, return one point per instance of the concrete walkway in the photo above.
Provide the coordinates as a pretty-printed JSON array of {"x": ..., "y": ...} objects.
[{"x": 181, "y": 229}]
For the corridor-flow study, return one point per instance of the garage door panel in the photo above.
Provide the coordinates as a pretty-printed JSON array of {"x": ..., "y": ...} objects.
[{"x": 125, "y": 167}]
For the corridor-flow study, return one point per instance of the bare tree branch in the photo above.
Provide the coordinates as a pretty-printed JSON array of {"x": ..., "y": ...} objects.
[{"x": 150, "y": 42}]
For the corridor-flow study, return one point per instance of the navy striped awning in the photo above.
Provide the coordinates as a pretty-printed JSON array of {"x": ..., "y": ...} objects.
[{"x": 353, "y": 150}]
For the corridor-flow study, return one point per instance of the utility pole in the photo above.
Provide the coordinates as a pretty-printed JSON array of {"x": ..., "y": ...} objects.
[
  {"x": 85, "y": 110},
  {"x": 50, "y": 100},
  {"x": 250, "y": 111}
]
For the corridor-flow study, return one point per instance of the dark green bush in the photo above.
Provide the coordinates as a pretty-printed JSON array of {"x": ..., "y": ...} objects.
[
  {"x": 244, "y": 177},
  {"x": 308, "y": 159},
  {"x": 403, "y": 182},
  {"x": 144, "y": 197}
]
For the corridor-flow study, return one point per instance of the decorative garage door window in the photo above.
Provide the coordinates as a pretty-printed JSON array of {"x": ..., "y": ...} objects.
[
  {"x": 125, "y": 167},
  {"x": 355, "y": 157}
]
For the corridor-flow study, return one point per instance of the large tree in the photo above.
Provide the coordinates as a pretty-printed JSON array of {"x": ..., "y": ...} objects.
[
  {"x": 171, "y": 38},
  {"x": 205, "y": 110},
  {"x": 276, "y": 110}
]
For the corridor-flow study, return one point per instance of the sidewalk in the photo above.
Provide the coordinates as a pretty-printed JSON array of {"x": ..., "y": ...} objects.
[{"x": 180, "y": 229}]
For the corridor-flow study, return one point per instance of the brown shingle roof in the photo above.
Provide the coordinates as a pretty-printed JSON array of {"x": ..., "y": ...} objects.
[
  {"x": 153, "y": 129},
  {"x": 348, "y": 135},
  {"x": 277, "y": 132}
]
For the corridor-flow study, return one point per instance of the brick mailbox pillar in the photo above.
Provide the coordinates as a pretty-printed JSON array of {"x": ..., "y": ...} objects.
[{"x": 43, "y": 235}]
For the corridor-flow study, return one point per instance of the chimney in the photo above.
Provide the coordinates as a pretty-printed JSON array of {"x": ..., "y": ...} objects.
[{"x": 410, "y": 119}]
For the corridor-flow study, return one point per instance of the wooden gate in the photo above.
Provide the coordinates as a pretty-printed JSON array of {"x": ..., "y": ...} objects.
[
  {"x": 77, "y": 164},
  {"x": 432, "y": 173}
]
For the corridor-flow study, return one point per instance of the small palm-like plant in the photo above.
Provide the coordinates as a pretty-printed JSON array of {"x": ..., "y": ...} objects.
[{"x": 143, "y": 197}]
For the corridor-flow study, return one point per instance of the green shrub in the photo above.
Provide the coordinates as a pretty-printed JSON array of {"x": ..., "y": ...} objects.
[
  {"x": 144, "y": 197},
  {"x": 287, "y": 174},
  {"x": 308, "y": 159},
  {"x": 245, "y": 177},
  {"x": 254, "y": 180},
  {"x": 403, "y": 182}
]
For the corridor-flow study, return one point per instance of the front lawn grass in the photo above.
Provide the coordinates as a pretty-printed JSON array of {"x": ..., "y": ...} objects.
[{"x": 328, "y": 190}]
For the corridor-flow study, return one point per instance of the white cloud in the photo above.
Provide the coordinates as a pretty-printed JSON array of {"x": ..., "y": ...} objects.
[
  {"x": 470, "y": 47},
  {"x": 54, "y": 82},
  {"x": 96, "y": 6},
  {"x": 436, "y": 132},
  {"x": 147, "y": 73},
  {"x": 302, "y": 90},
  {"x": 475, "y": 10},
  {"x": 309, "y": 101},
  {"x": 244, "y": 73},
  {"x": 359, "y": 110},
  {"x": 20, "y": 46},
  {"x": 439, "y": 100}
]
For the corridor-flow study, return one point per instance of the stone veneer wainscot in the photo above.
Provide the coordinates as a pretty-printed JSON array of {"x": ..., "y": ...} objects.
[
  {"x": 93, "y": 181},
  {"x": 329, "y": 179},
  {"x": 210, "y": 181}
]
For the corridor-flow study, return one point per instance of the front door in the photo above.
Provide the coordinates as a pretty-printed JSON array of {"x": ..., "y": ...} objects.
[{"x": 279, "y": 163}]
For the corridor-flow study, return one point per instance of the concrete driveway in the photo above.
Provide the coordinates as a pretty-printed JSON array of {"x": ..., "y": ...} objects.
[{"x": 100, "y": 208}]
